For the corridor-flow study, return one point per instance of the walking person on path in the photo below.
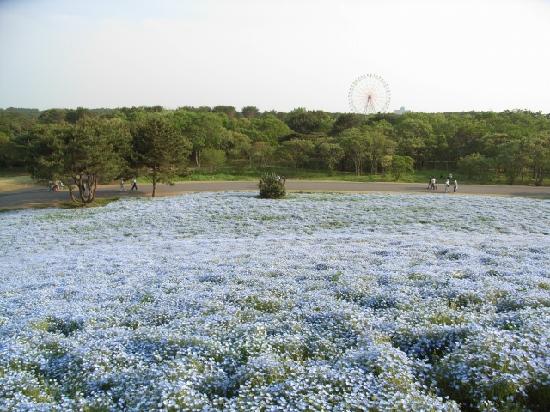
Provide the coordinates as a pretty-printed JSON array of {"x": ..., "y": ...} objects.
[
  {"x": 455, "y": 185},
  {"x": 122, "y": 189},
  {"x": 434, "y": 183},
  {"x": 447, "y": 184},
  {"x": 134, "y": 185}
]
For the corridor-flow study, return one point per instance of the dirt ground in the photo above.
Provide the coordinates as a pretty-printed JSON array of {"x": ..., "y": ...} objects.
[{"x": 41, "y": 197}]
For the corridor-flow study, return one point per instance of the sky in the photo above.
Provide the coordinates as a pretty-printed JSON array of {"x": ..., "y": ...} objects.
[{"x": 435, "y": 55}]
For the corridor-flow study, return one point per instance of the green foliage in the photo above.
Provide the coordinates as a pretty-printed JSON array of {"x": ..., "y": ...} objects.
[
  {"x": 98, "y": 202},
  {"x": 347, "y": 121},
  {"x": 401, "y": 165},
  {"x": 268, "y": 128},
  {"x": 93, "y": 150},
  {"x": 512, "y": 147},
  {"x": 240, "y": 146},
  {"x": 160, "y": 149},
  {"x": 303, "y": 121},
  {"x": 227, "y": 110},
  {"x": 354, "y": 144},
  {"x": 539, "y": 149},
  {"x": 261, "y": 153},
  {"x": 415, "y": 137},
  {"x": 52, "y": 116},
  {"x": 45, "y": 151},
  {"x": 330, "y": 153},
  {"x": 475, "y": 165},
  {"x": 272, "y": 186},
  {"x": 250, "y": 111},
  {"x": 513, "y": 158},
  {"x": 297, "y": 151},
  {"x": 213, "y": 158},
  {"x": 74, "y": 116},
  {"x": 7, "y": 147},
  {"x": 204, "y": 129}
]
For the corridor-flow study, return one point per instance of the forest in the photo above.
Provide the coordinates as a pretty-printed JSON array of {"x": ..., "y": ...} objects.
[{"x": 99, "y": 145}]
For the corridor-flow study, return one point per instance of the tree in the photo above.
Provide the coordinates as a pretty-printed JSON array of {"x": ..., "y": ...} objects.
[
  {"x": 415, "y": 137},
  {"x": 513, "y": 144},
  {"x": 268, "y": 128},
  {"x": 330, "y": 154},
  {"x": 160, "y": 149},
  {"x": 386, "y": 162},
  {"x": 94, "y": 150},
  {"x": 378, "y": 144},
  {"x": 241, "y": 146},
  {"x": 305, "y": 122},
  {"x": 261, "y": 153},
  {"x": 347, "y": 121},
  {"x": 355, "y": 146},
  {"x": 46, "y": 151},
  {"x": 539, "y": 150},
  {"x": 475, "y": 166},
  {"x": 468, "y": 137},
  {"x": 81, "y": 154},
  {"x": 8, "y": 150},
  {"x": 74, "y": 116},
  {"x": 513, "y": 158},
  {"x": 52, "y": 116},
  {"x": 250, "y": 111},
  {"x": 229, "y": 111},
  {"x": 298, "y": 151},
  {"x": 401, "y": 165},
  {"x": 204, "y": 129},
  {"x": 213, "y": 158}
]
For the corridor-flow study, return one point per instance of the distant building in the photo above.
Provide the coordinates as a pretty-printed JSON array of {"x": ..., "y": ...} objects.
[{"x": 401, "y": 110}]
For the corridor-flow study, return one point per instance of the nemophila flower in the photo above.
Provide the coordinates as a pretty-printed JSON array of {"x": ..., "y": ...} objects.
[{"x": 317, "y": 302}]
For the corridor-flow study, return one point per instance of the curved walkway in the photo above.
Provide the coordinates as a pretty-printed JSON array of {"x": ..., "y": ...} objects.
[{"x": 41, "y": 197}]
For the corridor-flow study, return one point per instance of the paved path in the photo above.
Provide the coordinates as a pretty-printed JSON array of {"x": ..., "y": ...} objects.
[{"x": 37, "y": 196}]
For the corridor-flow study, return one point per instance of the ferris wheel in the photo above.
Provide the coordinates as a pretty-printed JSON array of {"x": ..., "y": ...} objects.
[{"x": 368, "y": 94}]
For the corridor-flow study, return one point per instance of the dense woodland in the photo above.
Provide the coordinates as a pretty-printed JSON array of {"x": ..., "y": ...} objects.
[{"x": 98, "y": 145}]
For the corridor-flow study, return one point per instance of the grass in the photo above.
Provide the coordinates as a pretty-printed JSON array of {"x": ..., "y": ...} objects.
[
  {"x": 98, "y": 202},
  {"x": 418, "y": 176},
  {"x": 14, "y": 181},
  {"x": 10, "y": 180}
]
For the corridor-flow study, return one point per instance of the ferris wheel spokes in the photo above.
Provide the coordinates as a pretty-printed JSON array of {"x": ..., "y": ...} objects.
[{"x": 369, "y": 94}]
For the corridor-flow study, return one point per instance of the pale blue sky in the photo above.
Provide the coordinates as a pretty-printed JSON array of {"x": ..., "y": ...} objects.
[{"x": 436, "y": 55}]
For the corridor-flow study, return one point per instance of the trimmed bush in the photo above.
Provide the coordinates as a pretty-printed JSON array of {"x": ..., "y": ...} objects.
[{"x": 272, "y": 186}]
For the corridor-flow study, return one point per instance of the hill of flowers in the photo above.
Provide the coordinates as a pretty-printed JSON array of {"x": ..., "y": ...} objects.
[{"x": 224, "y": 301}]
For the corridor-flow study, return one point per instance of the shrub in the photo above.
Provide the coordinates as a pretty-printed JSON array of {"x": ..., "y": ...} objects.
[
  {"x": 213, "y": 159},
  {"x": 401, "y": 165},
  {"x": 272, "y": 186},
  {"x": 475, "y": 166}
]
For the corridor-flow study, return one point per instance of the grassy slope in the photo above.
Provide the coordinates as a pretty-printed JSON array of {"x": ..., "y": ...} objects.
[
  {"x": 11, "y": 181},
  {"x": 419, "y": 176}
]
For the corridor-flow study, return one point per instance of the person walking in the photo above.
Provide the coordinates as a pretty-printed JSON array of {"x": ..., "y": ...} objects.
[
  {"x": 122, "y": 189},
  {"x": 455, "y": 186},
  {"x": 433, "y": 183},
  {"x": 134, "y": 184},
  {"x": 447, "y": 184}
]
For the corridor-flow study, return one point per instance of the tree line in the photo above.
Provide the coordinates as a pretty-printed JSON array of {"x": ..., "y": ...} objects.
[{"x": 89, "y": 146}]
